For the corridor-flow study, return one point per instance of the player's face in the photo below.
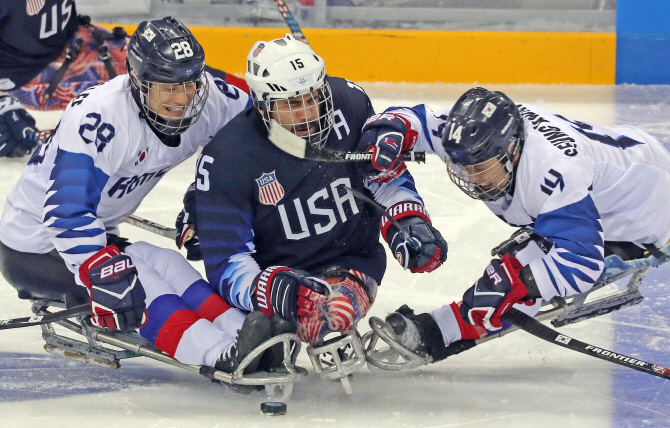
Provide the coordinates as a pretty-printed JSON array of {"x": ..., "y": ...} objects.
[
  {"x": 299, "y": 115},
  {"x": 488, "y": 175},
  {"x": 171, "y": 101}
]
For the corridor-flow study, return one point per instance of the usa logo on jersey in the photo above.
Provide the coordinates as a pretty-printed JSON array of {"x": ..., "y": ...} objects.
[
  {"x": 34, "y": 6},
  {"x": 269, "y": 190}
]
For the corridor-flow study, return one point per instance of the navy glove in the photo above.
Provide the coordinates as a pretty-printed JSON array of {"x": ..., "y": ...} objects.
[
  {"x": 292, "y": 294},
  {"x": 17, "y": 129},
  {"x": 187, "y": 232},
  {"x": 386, "y": 135},
  {"x": 494, "y": 294},
  {"x": 117, "y": 295},
  {"x": 412, "y": 218}
]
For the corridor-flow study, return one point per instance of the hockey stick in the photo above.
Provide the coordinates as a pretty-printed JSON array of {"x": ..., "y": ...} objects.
[
  {"x": 536, "y": 328},
  {"x": 44, "y": 319},
  {"x": 412, "y": 242},
  {"x": 150, "y": 226},
  {"x": 290, "y": 143},
  {"x": 290, "y": 20}
]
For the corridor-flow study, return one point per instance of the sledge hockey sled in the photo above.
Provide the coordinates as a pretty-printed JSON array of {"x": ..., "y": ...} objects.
[
  {"x": 77, "y": 338},
  {"x": 560, "y": 310}
]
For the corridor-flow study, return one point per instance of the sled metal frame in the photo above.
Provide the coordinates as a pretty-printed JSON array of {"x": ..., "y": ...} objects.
[
  {"x": 96, "y": 351},
  {"x": 563, "y": 311}
]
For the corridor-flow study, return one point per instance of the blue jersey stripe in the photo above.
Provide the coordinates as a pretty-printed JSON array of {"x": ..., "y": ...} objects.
[
  {"x": 83, "y": 249},
  {"x": 551, "y": 277},
  {"x": 420, "y": 113},
  {"x": 72, "y": 223},
  {"x": 78, "y": 185},
  {"x": 571, "y": 257},
  {"x": 589, "y": 251},
  {"x": 88, "y": 233},
  {"x": 568, "y": 273}
]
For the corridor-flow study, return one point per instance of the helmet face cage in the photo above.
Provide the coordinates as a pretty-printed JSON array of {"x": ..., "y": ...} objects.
[
  {"x": 308, "y": 115},
  {"x": 171, "y": 108},
  {"x": 486, "y": 181}
]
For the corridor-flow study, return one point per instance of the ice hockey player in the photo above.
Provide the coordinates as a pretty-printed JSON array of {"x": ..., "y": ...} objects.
[
  {"x": 112, "y": 145},
  {"x": 49, "y": 55},
  {"x": 281, "y": 234},
  {"x": 587, "y": 191}
]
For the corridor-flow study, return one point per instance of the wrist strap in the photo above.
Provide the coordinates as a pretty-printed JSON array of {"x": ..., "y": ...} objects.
[{"x": 402, "y": 210}]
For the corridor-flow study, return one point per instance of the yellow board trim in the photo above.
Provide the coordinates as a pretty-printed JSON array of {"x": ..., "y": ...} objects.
[{"x": 432, "y": 56}]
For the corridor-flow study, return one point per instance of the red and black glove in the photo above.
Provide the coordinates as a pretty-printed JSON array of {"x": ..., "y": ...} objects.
[
  {"x": 386, "y": 135},
  {"x": 290, "y": 293},
  {"x": 428, "y": 249},
  {"x": 117, "y": 295},
  {"x": 494, "y": 294}
]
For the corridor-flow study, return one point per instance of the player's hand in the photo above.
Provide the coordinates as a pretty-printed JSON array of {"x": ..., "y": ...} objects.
[
  {"x": 427, "y": 249},
  {"x": 187, "y": 232},
  {"x": 386, "y": 135},
  {"x": 494, "y": 294},
  {"x": 290, "y": 293},
  {"x": 17, "y": 129},
  {"x": 117, "y": 295}
]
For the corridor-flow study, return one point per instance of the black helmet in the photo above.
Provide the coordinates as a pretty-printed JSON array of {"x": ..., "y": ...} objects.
[
  {"x": 165, "y": 52},
  {"x": 482, "y": 125}
]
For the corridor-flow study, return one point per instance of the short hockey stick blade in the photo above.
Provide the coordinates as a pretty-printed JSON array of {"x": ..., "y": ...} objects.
[
  {"x": 150, "y": 226},
  {"x": 290, "y": 21},
  {"x": 290, "y": 143},
  {"x": 44, "y": 319},
  {"x": 536, "y": 328}
]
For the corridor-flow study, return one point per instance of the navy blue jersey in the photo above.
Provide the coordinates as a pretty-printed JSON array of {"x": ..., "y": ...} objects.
[
  {"x": 32, "y": 34},
  {"x": 258, "y": 206}
]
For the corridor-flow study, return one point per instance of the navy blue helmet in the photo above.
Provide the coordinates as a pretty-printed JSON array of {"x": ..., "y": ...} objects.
[
  {"x": 482, "y": 125},
  {"x": 167, "y": 68}
]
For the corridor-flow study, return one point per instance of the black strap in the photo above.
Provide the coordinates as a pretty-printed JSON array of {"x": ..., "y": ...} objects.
[
  {"x": 99, "y": 37},
  {"x": 654, "y": 251},
  {"x": 70, "y": 55}
]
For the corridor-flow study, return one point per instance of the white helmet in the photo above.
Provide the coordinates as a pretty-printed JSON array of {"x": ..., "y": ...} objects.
[{"x": 288, "y": 69}]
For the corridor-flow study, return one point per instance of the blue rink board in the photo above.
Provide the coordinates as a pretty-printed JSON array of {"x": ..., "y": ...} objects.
[{"x": 642, "y": 400}]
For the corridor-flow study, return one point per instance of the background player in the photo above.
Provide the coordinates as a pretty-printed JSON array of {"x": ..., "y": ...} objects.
[
  {"x": 587, "y": 190},
  {"x": 48, "y": 56},
  {"x": 281, "y": 234},
  {"x": 112, "y": 145}
]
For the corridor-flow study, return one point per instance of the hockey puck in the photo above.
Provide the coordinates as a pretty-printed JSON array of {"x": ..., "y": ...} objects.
[{"x": 273, "y": 408}]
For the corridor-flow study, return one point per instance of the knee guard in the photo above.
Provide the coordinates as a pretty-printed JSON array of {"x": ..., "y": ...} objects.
[{"x": 352, "y": 294}]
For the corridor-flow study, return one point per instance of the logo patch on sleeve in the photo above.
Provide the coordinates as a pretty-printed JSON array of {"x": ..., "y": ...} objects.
[{"x": 270, "y": 191}]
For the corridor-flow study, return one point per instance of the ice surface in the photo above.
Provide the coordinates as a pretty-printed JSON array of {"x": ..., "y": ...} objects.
[{"x": 517, "y": 381}]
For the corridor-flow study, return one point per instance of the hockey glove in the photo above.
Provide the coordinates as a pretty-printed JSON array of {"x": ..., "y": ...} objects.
[
  {"x": 17, "y": 129},
  {"x": 494, "y": 294},
  {"x": 187, "y": 232},
  {"x": 428, "y": 249},
  {"x": 386, "y": 135},
  {"x": 290, "y": 293},
  {"x": 117, "y": 295}
]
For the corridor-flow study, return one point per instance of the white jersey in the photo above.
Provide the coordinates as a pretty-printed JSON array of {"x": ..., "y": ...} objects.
[
  {"x": 96, "y": 169},
  {"x": 578, "y": 184}
]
